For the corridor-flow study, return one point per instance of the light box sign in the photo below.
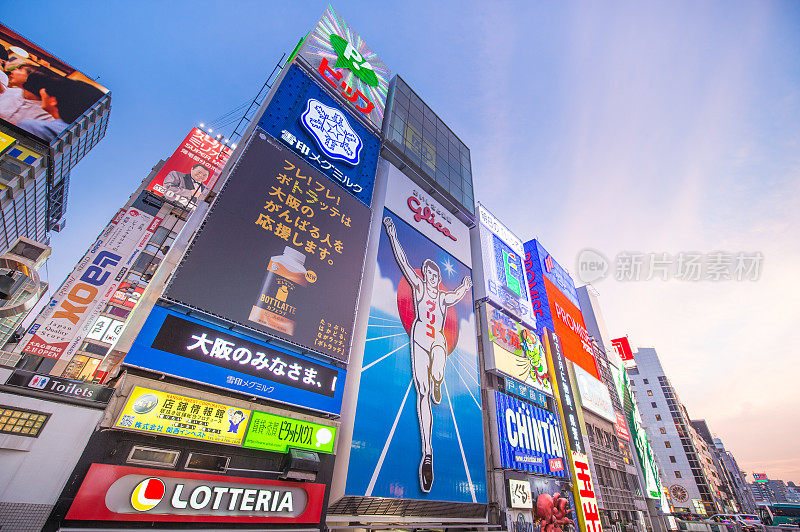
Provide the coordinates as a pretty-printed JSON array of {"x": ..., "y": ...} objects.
[
  {"x": 525, "y": 392},
  {"x": 171, "y": 414},
  {"x": 514, "y": 350},
  {"x": 520, "y": 495},
  {"x": 594, "y": 395},
  {"x": 529, "y": 437},
  {"x": 271, "y": 432},
  {"x": 347, "y": 67},
  {"x": 623, "y": 348},
  {"x": 310, "y": 122},
  {"x": 280, "y": 252},
  {"x": 121, "y": 493},
  {"x": 586, "y": 492},
  {"x": 418, "y": 424},
  {"x": 504, "y": 276},
  {"x": 621, "y": 426},
  {"x": 566, "y": 392},
  {"x": 187, "y": 347}
]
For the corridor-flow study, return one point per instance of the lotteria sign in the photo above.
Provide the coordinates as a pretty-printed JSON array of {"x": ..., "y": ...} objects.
[
  {"x": 530, "y": 438},
  {"x": 120, "y": 493}
]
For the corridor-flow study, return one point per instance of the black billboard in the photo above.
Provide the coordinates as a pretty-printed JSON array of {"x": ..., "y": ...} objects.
[{"x": 281, "y": 251}]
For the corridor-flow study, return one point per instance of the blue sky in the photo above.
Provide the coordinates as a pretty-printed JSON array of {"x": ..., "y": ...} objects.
[{"x": 619, "y": 126}]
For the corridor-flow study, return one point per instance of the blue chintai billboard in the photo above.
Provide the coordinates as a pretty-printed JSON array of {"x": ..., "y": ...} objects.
[
  {"x": 313, "y": 125},
  {"x": 193, "y": 349},
  {"x": 529, "y": 437}
]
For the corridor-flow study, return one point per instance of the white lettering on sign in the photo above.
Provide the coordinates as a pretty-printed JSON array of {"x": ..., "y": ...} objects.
[{"x": 527, "y": 433}]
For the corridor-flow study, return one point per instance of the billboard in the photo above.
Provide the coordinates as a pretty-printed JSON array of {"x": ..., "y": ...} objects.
[
  {"x": 122, "y": 493},
  {"x": 760, "y": 477},
  {"x": 514, "y": 350},
  {"x": 347, "y": 67},
  {"x": 621, "y": 427},
  {"x": 158, "y": 412},
  {"x": 567, "y": 400},
  {"x": 555, "y": 304},
  {"x": 184, "y": 346},
  {"x": 586, "y": 492},
  {"x": 40, "y": 94},
  {"x": 526, "y": 392},
  {"x": 61, "y": 326},
  {"x": 271, "y": 432},
  {"x": 623, "y": 348},
  {"x": 503, "y": 274},
  {"x": 529, "y": 438},
  {"x": 127, "y": 295},
  {"x": 594, "y": 395},
  {"x": 192, "y": 170},
  {"x": 418, "y": 424},
  {"x": 315, "y": 127},
  {"x": 280, "y": 252}
]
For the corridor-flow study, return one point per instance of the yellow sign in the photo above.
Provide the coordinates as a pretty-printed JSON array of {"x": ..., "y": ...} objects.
[
  {"x": 176, "y": 415},
  {"x": 6, "y": 141}
]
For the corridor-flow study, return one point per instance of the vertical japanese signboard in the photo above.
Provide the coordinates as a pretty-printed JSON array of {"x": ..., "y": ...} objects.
[
  {"x": 594, "y": 395},
  {"x": 566, "y": 392},
  {"x": 418, "y": 424},
  {"x": 280, "y": 252},
  {"x": 192, "y": 170},
  {"x": 586, "y": 493},
  {"x": 347, "y": 67},
  {"x": 504, "y": 277},
  {"x": 68, "y": 317},
  {"x": 315, "y": 127}
]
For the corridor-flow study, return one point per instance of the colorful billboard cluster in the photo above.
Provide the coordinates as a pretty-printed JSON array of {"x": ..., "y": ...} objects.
[
  {"x": 192, "y": 170},
  {"x": 417, "y": 432},
  {"x": 40, "y": 94},
  {"x": 555, "y": 305},
  {"x": 315, "y": 127},
  {"x": 280, "y": 252},
  {"x": 586, "y": 492},
  {"x": 347, "y": 67}
]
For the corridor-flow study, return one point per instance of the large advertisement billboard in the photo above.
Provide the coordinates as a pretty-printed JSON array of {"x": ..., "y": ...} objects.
[
  {"x": 586, "y": 492},
  {"x": 594, "y": 395},
  {"x": 40, "y": 94},
  {"x": 280, "y": 252},
  {"x": 514, "y": 350},
  {"x": 309, "y": 121},
  {"x": 192, "y": 170},
  {"x": 187, "y": 347},
  {"x": 529, "y": 438},
  {"x": 418, "y": 424},
  {"x": 568, "y": 402},
  {"x": 347, "y": 67},
  {"x": 503, "y": 274},
  {"x": 63, "y": 324},
  {"x": 555, "y": 304}
]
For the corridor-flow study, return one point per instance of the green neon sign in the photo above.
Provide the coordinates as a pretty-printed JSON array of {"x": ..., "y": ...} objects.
[
  {"x": 270, "y": 432},
  {"x": 350, "y": 58}
]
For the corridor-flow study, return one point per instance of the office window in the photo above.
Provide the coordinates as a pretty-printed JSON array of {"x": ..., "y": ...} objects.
[
  {"x": 668, "y": 445},
  {"x": 654, "y": 405},
  {"x": 650, "y": 393},
  {"x": 663, "y": 430},
  {"x": 646, "y": 381},
  {"x": 677, "y": 474},
  {"x": 633, "y": 383},
  {"x": 658, "y": 417},
  {"x": 672, "y": 460}
]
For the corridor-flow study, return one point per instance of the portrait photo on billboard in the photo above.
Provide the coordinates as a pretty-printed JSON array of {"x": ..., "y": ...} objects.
[
  {"x": 192, "y": 170},
  {"x": 40, "y": 94},
  {"x": 417, "y": 433},
  {"x": 280, "y": 252}
]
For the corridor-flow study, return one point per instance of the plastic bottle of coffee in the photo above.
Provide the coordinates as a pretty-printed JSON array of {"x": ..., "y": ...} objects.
[{"x": 276, "y": 306}]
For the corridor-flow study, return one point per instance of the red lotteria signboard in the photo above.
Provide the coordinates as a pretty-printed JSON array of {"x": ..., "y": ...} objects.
[
  {"x": 121, "y": 493},
  {"x": 622, "y": 428}
]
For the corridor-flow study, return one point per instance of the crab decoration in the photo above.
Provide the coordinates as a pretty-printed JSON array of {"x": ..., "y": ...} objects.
[{"x": 552, "y": 511}]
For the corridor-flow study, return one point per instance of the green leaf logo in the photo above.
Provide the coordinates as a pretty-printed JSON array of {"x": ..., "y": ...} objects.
[{"x": 351, "y": 58}]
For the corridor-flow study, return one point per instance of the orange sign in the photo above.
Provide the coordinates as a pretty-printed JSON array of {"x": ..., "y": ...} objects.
[{"x": 569, "y": 326}]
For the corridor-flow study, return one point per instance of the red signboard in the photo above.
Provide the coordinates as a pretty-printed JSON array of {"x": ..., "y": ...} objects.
[
  {"x": 569, "y": 326},
  {"x": 192, "y": 170},
  {"x": 121, "y": 493},
  {"x": 588, "y": 499},
  {"x": 622, "y": 428},
  {"x": 127, "y": 295},
  {"x": 623, "y": 348}
]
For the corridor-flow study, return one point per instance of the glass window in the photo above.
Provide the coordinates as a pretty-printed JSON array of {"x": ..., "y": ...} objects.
[
  {"x": 677, "y": 474},
  {"x": 152, "y": 456},
  {"x": 646, "y": 381},
  {"x": 668, "y": 445},
  {"x": 658, "y": 417},
  {"x": 653, "y": 404},
  {"x": 672, "y": 459},
  {"x": 663, "y": 430},
  {"x": 650, "y": 393},
  {"x": 207, "y": 462}
]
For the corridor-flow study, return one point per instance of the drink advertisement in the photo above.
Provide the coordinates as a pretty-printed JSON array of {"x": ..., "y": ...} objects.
[
  {"x": 418, "y": 425},
  {"x": 503, "y": 273},
  {"x": 514, "y": 350},
  {"x": 192, "y": 170},
  {"x": 63, "y": 324},
  {"x": 281, "y": 252}
]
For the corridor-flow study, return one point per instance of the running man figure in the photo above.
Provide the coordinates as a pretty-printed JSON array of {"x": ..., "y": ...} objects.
[{"x": 428, "y": 344}]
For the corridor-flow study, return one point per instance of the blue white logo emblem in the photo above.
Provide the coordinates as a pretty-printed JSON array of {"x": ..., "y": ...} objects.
[{"x": 333, "y": 133}]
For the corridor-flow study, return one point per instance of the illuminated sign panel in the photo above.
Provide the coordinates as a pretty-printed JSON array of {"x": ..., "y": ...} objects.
[
  {"x": 347, "y": 67},
  {"x": 623, "y": 348},
  {"x": 585, "y": 489},
  {"x": 621, "y": 427},
  {"x": 271, "y": 432},
  {"x": 316, "y": 128},
  {"x": 594, "y": 395},
  {"x": 121, "y": 493},
  {"x": 184, "y": 417},
  {"x": 566, "y": 392}
]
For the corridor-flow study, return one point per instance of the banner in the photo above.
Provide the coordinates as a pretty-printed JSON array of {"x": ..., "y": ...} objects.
[
  {"x": 271, "y": 432},
  {"x": 192, "y": 170},
  {"x": 58, "y": 329},
  {"x": 281, "y": 252},
  {"x": 184, "y": 417},
  {"x": 585, "y": 488},
  {"x": 566, "y": 392}
]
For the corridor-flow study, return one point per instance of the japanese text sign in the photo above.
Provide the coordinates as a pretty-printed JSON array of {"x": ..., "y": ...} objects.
[
  {"x": 621, "y": 427},
  {"x": 187, "y": 347},
  {"x": 280, "y": 252},
  {"x": 520, "y": 493},
  {"x": 347, "y": 67},
  {"x": 526, "y": 392},
  {"x": 271, "y": 432},
  {"x": 176, "y": 415},
  {"x": 310, "y": 122},
  {"x": 568, "y": 405},
  {"x": 585, "y": 489}
]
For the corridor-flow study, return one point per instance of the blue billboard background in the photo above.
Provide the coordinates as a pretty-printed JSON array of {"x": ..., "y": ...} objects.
[
  {"x": 284, "y": 113},
  {"x": 539, "y": 264},
  {"x": 211, "y": 370},
  {"x": 386, "y": 446},
  {"x": 530, "y": 441}
]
